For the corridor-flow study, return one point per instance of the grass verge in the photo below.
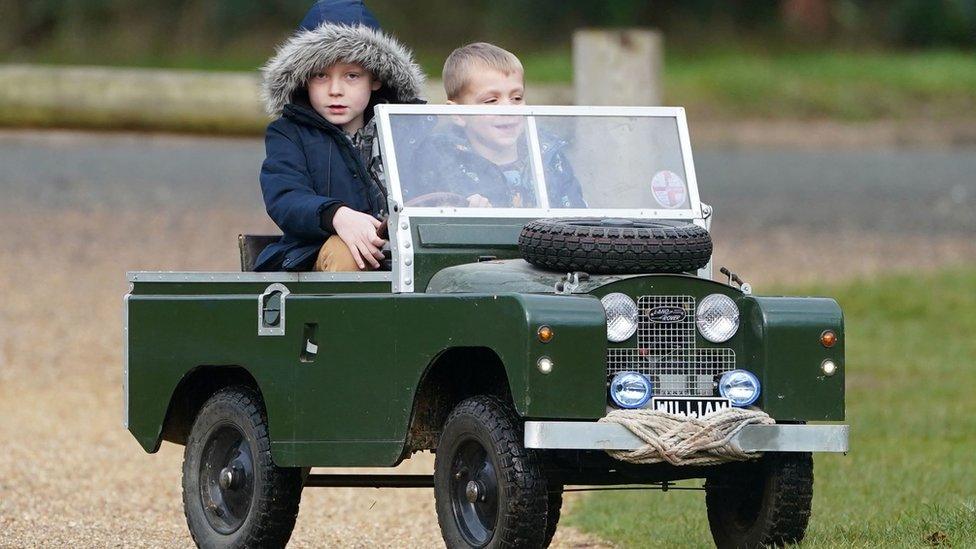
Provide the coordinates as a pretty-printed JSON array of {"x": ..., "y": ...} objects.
[
  {"x": 729, "y": 84},
  {"x": 908, "y": 480},
  {"x": 841, "y": 85}
]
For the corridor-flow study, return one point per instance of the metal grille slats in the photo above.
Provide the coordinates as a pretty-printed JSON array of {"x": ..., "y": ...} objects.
[{"x": 666, "y": 351}]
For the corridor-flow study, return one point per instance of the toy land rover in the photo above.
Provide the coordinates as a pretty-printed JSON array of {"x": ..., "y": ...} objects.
[{"x": 497, "y": 337}]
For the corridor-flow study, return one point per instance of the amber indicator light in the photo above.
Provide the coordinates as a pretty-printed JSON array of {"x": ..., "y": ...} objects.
[
  {"x": 545, "y": 334},
  {"x": 828, "y": 338}
]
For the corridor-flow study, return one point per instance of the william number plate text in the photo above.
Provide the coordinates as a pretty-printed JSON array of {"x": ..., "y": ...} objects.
[{"x": 691, "y": 407}]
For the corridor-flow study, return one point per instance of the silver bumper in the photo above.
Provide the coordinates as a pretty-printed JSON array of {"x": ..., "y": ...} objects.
[{"x": 590, "y": 435}]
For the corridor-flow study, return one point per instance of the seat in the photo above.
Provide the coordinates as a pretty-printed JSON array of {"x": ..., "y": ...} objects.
[{"x": 251, "y": 246}]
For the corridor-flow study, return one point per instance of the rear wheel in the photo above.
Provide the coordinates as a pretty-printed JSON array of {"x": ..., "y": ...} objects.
[
  {"x": 233, "y": 494},
  {"x": 489, "y": 490},
  {"x": 762, "y": 503}
]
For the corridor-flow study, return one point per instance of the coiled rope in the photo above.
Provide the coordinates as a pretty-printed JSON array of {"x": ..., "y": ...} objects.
[{"x": 682, "y": 440}]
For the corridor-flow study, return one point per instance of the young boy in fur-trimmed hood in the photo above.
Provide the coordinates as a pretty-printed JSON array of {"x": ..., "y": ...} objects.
[{"x": 318, "y": 188}]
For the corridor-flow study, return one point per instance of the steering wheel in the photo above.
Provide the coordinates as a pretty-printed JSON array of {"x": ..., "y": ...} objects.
[{"x": 440, "y": 198}]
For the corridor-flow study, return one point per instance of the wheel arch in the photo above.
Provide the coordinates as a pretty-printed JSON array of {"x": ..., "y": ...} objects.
[
  {"x": 453, "y": 375},
  {"x": 193, "y": 390}
]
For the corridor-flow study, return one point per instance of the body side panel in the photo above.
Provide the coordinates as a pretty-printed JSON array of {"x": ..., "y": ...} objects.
[{"x": 351, "y": 403}]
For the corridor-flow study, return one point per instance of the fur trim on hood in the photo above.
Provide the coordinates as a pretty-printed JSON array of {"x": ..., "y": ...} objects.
[{"x": 310, "y": 50}]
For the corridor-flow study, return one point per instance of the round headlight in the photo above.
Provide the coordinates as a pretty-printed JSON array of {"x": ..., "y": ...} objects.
[
  {"x": 621, "y": 316},
  {"x": 717, "y": 318},
  {"x": 630, "y": 390},
  {"x": 740, "y": 387}
]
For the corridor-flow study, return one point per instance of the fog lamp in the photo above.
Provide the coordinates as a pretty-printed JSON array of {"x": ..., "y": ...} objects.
[
  {"x": 740, "y": 387},
  {"x": 630, "y": 390}
]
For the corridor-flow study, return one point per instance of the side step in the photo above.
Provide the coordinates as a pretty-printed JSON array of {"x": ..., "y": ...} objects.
[{"x": 369, "y": 481}]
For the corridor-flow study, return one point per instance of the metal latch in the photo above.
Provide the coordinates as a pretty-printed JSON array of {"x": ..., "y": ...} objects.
[
  {"x": 271, "y": 310},
  {"x": 572, "y": 281}
]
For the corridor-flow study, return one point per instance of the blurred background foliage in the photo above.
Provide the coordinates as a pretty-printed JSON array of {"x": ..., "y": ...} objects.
[
  {"x": 841, "y": 59},
  {"x": 241, "y": 33}
]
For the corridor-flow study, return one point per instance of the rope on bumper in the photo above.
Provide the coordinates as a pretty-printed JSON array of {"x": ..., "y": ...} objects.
[{"x": 682, "y": 440}]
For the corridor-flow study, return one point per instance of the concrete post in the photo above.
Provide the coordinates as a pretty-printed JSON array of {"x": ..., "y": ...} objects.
[{"x": 618, "y": 67}]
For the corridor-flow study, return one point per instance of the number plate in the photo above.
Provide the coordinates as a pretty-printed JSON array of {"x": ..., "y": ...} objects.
[{"x": 691, "y": 407}]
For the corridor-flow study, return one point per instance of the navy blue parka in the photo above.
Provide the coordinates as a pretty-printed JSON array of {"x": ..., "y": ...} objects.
[{"x": 312, "y": 167}]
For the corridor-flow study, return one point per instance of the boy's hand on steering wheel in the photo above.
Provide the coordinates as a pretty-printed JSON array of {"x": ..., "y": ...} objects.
[
  {"x": 358, "y": 231},
  {"x": 478, "y": 201}
]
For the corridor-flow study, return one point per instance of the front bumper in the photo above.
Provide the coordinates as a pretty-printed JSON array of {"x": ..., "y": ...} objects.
[{"x": 589, "y": 435}]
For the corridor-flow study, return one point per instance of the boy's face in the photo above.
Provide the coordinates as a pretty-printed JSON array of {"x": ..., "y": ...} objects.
[
  {"x": 340, "y": 94},
  {"x": 487, "y": 86}
]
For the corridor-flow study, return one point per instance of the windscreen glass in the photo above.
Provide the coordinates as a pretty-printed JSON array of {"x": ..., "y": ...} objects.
[{"x": 495, "y": 161}]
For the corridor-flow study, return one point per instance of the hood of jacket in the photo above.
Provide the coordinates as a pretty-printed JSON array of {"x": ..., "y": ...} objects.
[{"x": 345, "y": 33}]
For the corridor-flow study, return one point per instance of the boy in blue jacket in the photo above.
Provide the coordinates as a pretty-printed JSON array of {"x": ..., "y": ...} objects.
[{"x": 317, "y": 183}]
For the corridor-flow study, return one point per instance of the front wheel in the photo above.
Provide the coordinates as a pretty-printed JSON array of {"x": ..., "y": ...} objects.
[
  {"x": 233, "y": 494},
  {"x": 555, "y": 502},
  {"x": 489, "y": 490},
  {"x": 762, "y": 503}
]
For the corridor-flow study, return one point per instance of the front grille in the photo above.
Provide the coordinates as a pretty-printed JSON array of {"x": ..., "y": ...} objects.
[{"x": 667, "y": 354}]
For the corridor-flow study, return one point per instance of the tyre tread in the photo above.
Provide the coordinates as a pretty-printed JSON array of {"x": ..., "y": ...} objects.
[
  {"x": 786, "y": 507},
  {"x": 567, "y": 245}
]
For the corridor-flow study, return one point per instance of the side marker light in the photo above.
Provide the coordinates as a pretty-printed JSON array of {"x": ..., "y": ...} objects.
[
  {"x": 545, "y": 365},
  {"x": 829, "y": 367},
  {"x": 828, "y": 338},
  {"x": 545, "y": 334}
]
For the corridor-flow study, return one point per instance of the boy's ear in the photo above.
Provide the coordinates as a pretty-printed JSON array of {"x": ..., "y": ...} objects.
[
  {"x": 458, "y": 121},
  {"x": 375, "y": 85}
]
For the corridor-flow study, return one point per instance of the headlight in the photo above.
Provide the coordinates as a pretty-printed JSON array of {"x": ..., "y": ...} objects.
[
  {"x": 630, "y": 390},
  {"x": 740, "y": 387},
  {"x": 621, "y": 316},
  {"x": 717, "y": 318}
]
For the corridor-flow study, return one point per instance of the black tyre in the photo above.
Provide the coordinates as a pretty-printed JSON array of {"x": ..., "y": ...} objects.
[
  {"x": 760, "y": 504},
  {"x": 555, "y": 504},
  {"x": 615, "y": 245},
  {"x": 233, "y": 494},
  {"x": 489, "y": 490}
]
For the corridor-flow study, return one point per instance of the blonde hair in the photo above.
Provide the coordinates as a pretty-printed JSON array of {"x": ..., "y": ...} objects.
[{"x": 459, "y": 64}]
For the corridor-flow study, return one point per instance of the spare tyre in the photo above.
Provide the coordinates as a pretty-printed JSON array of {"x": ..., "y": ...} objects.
[{"x": 615, "y": 246}]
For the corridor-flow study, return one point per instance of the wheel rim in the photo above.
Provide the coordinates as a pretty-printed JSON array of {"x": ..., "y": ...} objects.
[
  {"x": 226, "y": 478},
  {"x": 748, "y": 502},
  {"x": 742, "y": 499},
  {"x": 474, "y": 493}
]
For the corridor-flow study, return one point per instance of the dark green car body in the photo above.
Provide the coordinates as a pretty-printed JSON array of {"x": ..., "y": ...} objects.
[{"x": 362, "y": 375}]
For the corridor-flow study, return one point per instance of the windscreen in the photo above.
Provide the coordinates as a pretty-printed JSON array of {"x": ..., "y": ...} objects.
[{"x": 540, "y": 161}]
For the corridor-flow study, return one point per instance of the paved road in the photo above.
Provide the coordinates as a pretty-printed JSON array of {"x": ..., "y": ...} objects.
[{"x": 917, "y": 191}]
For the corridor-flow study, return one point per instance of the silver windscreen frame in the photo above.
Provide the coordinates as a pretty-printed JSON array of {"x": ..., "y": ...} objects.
[{"x": 384, "y": 112}]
